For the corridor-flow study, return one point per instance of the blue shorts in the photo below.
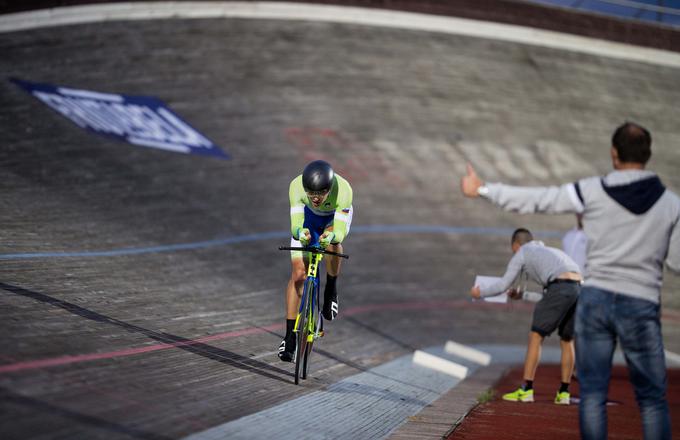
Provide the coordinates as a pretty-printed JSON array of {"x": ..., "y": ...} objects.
[{"x": 317, "y": 224}]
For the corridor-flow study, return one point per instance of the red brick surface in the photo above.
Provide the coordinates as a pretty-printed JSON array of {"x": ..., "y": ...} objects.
[{"x": 543, "y": 419}]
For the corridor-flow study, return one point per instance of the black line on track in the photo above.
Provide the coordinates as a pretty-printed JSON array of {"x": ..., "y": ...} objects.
[
  {"x": 208, "y": 351},
  {"x": 48, "y": 408}
]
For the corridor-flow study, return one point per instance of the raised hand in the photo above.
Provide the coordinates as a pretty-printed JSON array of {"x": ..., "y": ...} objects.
[{"x": 470, "y": 183}]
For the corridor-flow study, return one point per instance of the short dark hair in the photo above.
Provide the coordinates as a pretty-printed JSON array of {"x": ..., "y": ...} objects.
[
  {"x": 633, "y": 143},
  {"x": 521, "y": 236}
]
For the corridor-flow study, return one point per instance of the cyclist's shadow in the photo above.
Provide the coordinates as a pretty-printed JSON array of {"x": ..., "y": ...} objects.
[{"x": 208, "y": 351}]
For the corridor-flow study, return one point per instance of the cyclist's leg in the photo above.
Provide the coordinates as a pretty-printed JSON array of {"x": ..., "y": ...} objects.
[
  {"x": 294, "y": 289},
  {"x": 293, "y": 294},
  {"x": 333, "y": 262},
  {"x": 330, "y": 293}
]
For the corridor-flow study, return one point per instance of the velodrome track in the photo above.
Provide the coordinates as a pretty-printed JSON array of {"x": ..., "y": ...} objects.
[{"x": 141, "y": 290}]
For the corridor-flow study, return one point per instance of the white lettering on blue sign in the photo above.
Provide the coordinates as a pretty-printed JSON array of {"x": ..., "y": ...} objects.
[{"x": 139, "y": 120}]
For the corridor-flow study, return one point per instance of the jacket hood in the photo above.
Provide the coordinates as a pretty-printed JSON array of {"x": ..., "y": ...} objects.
[{"x": 637, "y": 197}]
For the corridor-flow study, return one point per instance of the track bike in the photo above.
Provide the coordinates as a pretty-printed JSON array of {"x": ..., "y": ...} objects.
[{"x": 308, "y": 322}]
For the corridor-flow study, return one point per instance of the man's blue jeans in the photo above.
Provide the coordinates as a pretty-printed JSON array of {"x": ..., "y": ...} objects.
[{"x": 602, "y": 317}]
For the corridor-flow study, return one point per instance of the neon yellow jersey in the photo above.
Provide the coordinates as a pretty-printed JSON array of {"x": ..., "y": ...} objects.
[{"x": 338, "y": 204}]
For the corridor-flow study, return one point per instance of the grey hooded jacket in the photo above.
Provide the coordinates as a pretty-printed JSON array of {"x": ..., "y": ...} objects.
[{"x": 631, "y": 221}]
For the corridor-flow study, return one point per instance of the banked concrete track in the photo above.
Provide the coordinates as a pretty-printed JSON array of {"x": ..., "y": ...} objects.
[{"x": 153, "y": 340}]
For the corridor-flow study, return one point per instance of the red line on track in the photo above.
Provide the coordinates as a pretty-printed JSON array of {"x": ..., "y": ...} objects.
[
  {"x": 64, "y": 360},
  {"x": 414, "y": 305}
]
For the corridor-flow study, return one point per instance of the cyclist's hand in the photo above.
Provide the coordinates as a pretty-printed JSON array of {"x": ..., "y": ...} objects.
[
  {"x": 305, "y": 236},
  {"x": 475, "y": 292},
  {"x": 326, "y": 239}
]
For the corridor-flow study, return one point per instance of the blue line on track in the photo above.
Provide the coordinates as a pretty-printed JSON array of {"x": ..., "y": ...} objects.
[{"x": 369, "y": 229}]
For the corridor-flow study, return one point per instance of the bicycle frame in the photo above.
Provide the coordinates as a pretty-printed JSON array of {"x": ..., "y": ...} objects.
[
  {"x": 308, "y": 322},
  {"x": 313, "y": 328}
]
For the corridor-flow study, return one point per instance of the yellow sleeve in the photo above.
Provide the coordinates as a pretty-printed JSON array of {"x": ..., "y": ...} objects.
[
  {"x": 297, "y": 207},
  {"x": 342, "y": 211}
]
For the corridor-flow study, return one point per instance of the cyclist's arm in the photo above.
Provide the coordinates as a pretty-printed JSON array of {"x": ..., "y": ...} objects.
[
  {"x": 504, "y": 283},
  {"x": 297, "y": 207},
  {"x": 342, "y": 212}
]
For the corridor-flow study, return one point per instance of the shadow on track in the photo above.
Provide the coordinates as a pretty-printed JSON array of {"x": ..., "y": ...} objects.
[
  {"x": 52, "y": 410},
  {"x": 358, "y": 367},
  {"x": 380, "y": 333},
  {"x": 227, "y": 357}
]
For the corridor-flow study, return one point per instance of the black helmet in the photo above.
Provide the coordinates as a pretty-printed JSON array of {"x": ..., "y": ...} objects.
[{"x": 317, "y": 176}]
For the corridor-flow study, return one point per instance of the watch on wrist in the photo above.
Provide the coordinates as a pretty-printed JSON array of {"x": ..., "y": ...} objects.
[{"x": 483, "y": 190}]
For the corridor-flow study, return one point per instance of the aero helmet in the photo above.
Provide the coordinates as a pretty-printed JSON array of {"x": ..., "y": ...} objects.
[{"x": 317, "y": 176}]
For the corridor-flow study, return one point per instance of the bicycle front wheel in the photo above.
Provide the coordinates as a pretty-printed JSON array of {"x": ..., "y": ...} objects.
[
  {"x": 303, "y": 333},
  {"x": 314, "y": 323}
]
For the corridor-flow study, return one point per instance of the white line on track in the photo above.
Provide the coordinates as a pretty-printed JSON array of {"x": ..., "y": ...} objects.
[
  {"x": 672, "y": 357},
  {"x": 436, "y": 363},
  {"x": 70, "y": 15},
  {"x": 478, "y": 356}
]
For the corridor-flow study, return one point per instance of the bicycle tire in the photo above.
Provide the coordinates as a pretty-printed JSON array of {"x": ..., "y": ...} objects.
[
  {"x": 302, "y": 335},
  {"x": 310, "y": 345}
]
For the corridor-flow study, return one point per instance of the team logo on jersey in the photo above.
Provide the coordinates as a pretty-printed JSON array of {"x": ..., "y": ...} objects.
[
  {"x": 138, "y": 120},
  {"x": 346, "y": 210}
]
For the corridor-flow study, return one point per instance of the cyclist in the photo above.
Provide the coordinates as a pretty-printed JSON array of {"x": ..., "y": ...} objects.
[{"x": 320, "y": 213}]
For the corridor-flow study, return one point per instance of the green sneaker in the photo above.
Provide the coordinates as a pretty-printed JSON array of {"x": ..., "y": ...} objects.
[
  {"x": 520, "y": 395},
  {"x": 562, "y": 398}
]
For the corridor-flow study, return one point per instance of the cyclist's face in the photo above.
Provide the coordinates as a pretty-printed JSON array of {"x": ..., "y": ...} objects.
[{"x": 317, "y": 197}]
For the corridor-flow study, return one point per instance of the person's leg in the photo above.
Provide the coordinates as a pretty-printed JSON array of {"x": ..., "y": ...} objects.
[
  {"x": 294, "y": 288},
  {"x": 639, "y": 329},
  {"x": 595, "y": 343},
  {"x": 293, "y": 294},
  {"x": 331, "y": 304},
  {"x": 533, "y": 355},
  {"x": 525, "y": 393},
  {"x": 333, "y": 263},
  {"x": 567, "y": 360},
  {"x": 330, "y": 293},
  {"x": 563, "y": 397}
]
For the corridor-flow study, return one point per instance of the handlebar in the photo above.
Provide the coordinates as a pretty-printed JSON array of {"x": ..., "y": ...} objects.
[{"x": 313, "y": 250}]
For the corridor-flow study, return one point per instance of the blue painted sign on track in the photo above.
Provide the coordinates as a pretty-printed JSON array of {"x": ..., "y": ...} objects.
[{"x": 139, "y": 120}]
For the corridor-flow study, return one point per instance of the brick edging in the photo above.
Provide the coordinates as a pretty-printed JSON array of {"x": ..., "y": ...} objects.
[{"x": 440, "y": 418}]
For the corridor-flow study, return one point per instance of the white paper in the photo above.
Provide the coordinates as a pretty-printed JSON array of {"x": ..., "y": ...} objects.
[
  {"x": 533, "y": 297},
  {"x": 484, "y": 281}
]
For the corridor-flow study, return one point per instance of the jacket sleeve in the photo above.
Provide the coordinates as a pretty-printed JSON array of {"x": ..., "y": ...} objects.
[
  {"x": 505, "y": 282},
  {"x": 542, "y": 199},
  {"x": 673, "y": 257},
  {"x": 297, "y": 209},
  {"x": 342, "y": 214}
]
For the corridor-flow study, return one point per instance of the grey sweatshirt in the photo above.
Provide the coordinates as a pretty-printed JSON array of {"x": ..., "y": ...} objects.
[
  {"x": 631, "y": 221},
  {"x": 541, "y": 263}
]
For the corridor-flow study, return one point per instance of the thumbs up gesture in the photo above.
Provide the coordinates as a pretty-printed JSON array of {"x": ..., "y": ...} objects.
[{"x": 470, "y": 182}]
